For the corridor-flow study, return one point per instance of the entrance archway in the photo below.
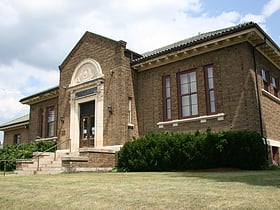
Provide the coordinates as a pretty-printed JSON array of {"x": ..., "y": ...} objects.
[{"x": 86, "y": 105}]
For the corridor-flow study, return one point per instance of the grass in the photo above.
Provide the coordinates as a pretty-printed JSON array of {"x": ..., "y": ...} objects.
[{"x": 165, "y": 190}]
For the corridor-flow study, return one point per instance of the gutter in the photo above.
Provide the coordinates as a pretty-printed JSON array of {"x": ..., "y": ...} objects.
[{"x": 258, "y": 94}]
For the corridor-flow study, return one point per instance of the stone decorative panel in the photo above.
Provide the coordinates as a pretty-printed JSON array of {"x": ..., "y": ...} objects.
[{"x": 87, "y": 70}]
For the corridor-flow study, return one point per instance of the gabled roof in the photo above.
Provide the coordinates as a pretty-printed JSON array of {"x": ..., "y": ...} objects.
[
  {"x": 21, "y": 121},
  {"x": 242, "y": 32},
  {"x": 87, "y": 35}
]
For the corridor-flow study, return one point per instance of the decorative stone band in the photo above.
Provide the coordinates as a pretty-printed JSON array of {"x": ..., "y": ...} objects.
[
  {"x": 269, "y": 95},
  {"x": 202, "y": 119},
  {"x": 273, "y": 143}
]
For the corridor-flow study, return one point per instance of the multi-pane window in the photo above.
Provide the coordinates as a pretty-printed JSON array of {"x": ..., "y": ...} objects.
[
  {"x": 265, "y": 78},
  {"x": 210, "y": 90},
  {"x": 129, "y": 110},
  {"x": 275, "y": 85},
  {"x": 188, "y": 94},
  {"x": 50, "y": 121},
  {"x": 41, "y": 122},
  {"x": 17, "y": 138},
  {"x": 167, "y": 97}
]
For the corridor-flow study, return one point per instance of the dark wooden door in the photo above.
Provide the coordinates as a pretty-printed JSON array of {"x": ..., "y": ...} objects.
[{"x": 87, "y": 124}]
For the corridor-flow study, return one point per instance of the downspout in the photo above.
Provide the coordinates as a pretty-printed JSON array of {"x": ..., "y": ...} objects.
[{"x": 258, "y": 95}]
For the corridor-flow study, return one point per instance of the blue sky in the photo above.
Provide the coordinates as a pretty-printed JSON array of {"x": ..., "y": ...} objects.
[{"x": 35, "y": 36}]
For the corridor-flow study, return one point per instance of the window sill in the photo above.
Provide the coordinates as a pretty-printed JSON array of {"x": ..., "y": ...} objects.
[
  {"x": 269, "y": 95},
  {"x": 130, "y": 126},
  {"x": 202, "y": 119},
  {"x": 54, "y": 138}
]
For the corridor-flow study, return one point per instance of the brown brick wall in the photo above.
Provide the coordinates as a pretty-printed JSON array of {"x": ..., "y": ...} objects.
[
  {"x": 236, "y": 95},
  {"x": 117, "y": 86},
  {"x": 96, "y": 160},
  {"x": 270, "y": 106},
  {"x": 9, "y": 136},
  {"x": 235, "y": 91},
  {"x": 34, "y": 117}
]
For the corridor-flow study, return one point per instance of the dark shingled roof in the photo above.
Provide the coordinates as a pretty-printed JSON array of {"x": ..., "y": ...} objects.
[{"x": 194, "y": 40}]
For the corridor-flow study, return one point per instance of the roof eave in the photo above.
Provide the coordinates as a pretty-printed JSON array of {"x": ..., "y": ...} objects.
[
  {"x": 41, "y": 96},
  {"x": 14, "y": 126},
  {"x": 252, "y": 34}
]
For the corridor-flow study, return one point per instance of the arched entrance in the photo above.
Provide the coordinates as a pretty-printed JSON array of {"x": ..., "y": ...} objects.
[{"x": 86, "y": 105}]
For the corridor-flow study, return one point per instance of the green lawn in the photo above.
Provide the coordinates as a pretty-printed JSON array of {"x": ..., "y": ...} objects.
[{"x": 165, "y": 190}]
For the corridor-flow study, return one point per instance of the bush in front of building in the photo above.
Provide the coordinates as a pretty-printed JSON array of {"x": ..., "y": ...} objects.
[
  {"x": 180, "y": 151},
  {"x": 11, "y": 153}
]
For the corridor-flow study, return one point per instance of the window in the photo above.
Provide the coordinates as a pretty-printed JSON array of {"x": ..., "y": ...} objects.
[
  {"x": 188, "y": 106},
  {"x": 41, "y": 122},
  {"x": 51, "y": 121},
  {"x": 166, "y": 98},
  {"x": 265, "y": 78},
  {"x": 17, "y": 139},
  {"x": 129, "y": 111},
  {"x": 275, "y": 85},
  {"x": 210, "y": 90}
]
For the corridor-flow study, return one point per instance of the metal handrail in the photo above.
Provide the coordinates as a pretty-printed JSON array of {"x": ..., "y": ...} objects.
[
  {"x": 5, "y": 163},
  {"x": 36, "y": 156},
  {"x": 41, "y": 153}
]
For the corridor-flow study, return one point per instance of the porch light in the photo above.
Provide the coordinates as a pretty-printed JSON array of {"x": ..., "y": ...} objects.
[{"x": 110, "y": 109}]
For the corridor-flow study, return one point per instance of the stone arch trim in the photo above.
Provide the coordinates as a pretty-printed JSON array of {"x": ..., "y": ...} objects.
[{"x": 88, "y": 70}]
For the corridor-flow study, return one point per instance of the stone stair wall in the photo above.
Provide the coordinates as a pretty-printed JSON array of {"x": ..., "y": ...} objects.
[
  {"x": 48, "y": 164},
  {"x": 90, "y": 160}
]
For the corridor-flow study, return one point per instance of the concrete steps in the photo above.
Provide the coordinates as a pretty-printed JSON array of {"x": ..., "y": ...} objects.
[
  {"x": 86, "y": 160},
  {"x": 48, "y": 164}
]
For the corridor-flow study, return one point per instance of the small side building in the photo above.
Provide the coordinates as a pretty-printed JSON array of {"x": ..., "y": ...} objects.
[{"x": 16, "y": 131}]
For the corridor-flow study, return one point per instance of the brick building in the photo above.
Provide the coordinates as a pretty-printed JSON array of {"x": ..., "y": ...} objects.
[{"x": 224, "y": 80}]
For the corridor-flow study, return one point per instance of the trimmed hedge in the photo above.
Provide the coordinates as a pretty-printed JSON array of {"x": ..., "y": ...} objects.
[
  {"x": 21, "y": 151},
  {"x": 180, "y": 151}
]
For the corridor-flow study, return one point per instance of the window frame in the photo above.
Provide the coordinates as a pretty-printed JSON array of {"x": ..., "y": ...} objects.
[
  {"x": 208, "y": 89},
  {"x": 41, "y": 123},
  {"x": 129, "y": 110},
  {"x": 17, "y": 138},
  {"x": 265, "y": 79},
  {"x": 180, "y": 95},
  {"x": 275, "y": 87},
  {"x": 48, "y": 123},
  {"x": 166, "y": 98}
]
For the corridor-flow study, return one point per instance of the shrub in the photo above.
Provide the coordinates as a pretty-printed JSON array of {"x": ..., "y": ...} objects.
[
  {"x": 180, "y": 151},
  {"x": 21, "y": 151},
  {"x": 245, "y": 150}
]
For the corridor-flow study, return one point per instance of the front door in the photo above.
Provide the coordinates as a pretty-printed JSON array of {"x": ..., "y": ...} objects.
[{"x": 87, "y": 124}]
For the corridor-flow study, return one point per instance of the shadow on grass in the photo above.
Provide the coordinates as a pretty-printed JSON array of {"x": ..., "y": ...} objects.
[{"x": 257, "y": 178}]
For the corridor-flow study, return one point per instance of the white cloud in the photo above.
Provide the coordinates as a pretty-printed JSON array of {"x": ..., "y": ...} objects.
[
  {"x": 17, "y": 81},
  {"x": 268, "y": 10},
  {"x": 8, "y": 15},
  {"x": 26, "y": 78},
  {"x": 271, "y": 7},
  {"x": 10, "y": 106},
  {"x": 254, "y": 18},
  {"x": 146, "y": 25}
]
